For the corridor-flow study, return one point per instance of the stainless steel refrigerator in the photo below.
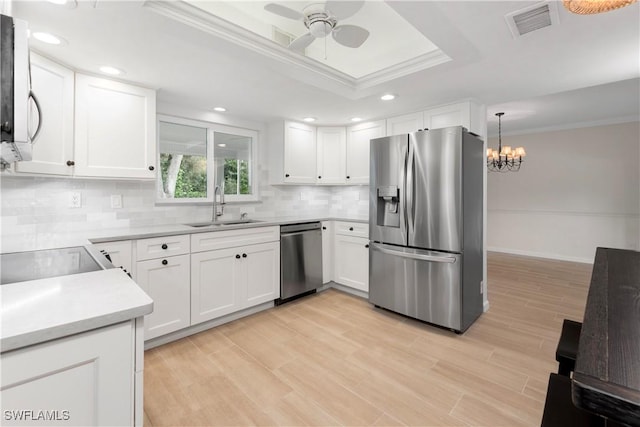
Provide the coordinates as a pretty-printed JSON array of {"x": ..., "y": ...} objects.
[{"x": 425, "y": 226}]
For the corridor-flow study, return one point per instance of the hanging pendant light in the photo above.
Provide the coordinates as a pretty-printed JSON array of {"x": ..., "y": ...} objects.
[
  {"x": 589, "y": 7},
  {"x": 505, "y": 159}
]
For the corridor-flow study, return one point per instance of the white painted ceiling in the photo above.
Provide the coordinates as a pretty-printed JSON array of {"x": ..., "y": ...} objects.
[
  {"x": 391, "y": 41},
  {"x": 542, "y": 73}
]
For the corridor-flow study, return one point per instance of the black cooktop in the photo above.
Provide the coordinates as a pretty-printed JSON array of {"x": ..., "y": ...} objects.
[{"x": 43, "y": 264}]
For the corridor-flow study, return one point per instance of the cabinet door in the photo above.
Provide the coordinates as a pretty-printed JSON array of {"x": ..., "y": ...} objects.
[
  {"x": 215, "y": 279},
  {"x": 262, "y": 266},
  {"x": 332, "y": 147},
  {"x": 358, "y": 138},
  {"x": 115, "y": 131},
  {"x": 448, "y": 115},
  {"x": 327, "y": 251},
  {"x": 352, "y": 262},
  {"x": 86, "y": 377},
  {"x": 166, "y": 281},
  {"x": 53, "y": 86},
  {"x": 405, "y": 124},
  {"x": 299, "y": 153},
  {"x": 119, "y": 252}
]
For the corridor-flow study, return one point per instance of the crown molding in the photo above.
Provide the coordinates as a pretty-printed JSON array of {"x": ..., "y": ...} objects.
[{"x": 329, "y": 78}]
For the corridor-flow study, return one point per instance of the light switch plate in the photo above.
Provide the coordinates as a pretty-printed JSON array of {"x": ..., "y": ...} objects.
[{"x": 116, "y": 201}]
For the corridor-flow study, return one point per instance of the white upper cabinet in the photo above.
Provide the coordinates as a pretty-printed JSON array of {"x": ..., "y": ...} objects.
[
  {"x": 115, "y": 131},
  {"x": 292, "y": 153},
  {"x": 406, "y": 123},
  {"x": 53, "y": 86},
  {"x": 467, "y": 114},
  {"x": 299, "y": 153},
  {"x": 332, "y": 147},
  {"x": 358, "y": 138}
]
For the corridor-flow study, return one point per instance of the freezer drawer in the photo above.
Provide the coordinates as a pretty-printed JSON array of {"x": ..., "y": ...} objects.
[{"x": 422, "y": 284}]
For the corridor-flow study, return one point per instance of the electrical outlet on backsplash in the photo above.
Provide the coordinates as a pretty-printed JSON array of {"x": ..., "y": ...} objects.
[{"x": 33, "y": 207}]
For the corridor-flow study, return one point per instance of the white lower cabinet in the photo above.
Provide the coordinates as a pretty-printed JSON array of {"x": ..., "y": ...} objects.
[
  {"x": 227, "y": 280},
  {"x": 167, "y": 282},
  {"x": 81, "y": 380},
  {"x": 352, "y": 261},
  {"x": 327, "y": 251}
]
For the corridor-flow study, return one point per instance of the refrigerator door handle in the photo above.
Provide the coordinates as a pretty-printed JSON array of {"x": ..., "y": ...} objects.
[
  {"x": 409, "y": 189},
  {"x": 385, "y": 249}
]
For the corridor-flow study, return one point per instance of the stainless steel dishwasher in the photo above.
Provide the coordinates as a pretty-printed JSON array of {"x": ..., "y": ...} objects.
[{"x": 300, "y": 260}]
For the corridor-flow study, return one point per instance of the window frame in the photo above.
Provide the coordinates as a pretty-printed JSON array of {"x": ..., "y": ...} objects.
[{"x": 210, "y": 128}]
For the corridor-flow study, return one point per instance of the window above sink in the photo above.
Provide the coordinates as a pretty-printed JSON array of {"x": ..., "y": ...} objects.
[{"x": 196, "y": 156}]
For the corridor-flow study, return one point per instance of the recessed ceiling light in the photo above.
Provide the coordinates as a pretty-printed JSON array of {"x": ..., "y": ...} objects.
[
  {"x": 221, "y": 109},
  {"x": 47, "y": 38},
  {"x": 222, "y": 145},
  {"x": 309, "y": 119},
  {"x": 107, "y": 69},
  {"x": 387, "y": 97},
  {"x": 356, "y": 119},
  {"x": 58, "y": 1}
]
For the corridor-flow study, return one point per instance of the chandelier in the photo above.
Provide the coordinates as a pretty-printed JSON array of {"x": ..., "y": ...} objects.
[
  {"x": 588, "y": 7},
  {"x": 505, "y": 159}
]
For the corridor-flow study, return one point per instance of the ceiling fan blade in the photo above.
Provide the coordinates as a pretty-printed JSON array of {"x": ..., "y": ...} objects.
[
  {"x": 278, "y": 9},
  {"x": 350, "y": 35},
  {"x": 343, "y": 9},
  {"x": 302, "y": 42}
]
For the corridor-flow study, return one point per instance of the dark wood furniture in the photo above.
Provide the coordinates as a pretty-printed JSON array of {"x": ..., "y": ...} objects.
[
  {"x": 559, "y": 411},
  {"x": 606, "y": 379},
  {"x": 567, "y": 349}
]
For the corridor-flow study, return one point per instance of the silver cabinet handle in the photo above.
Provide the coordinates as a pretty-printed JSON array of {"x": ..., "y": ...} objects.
[{"x": 420, "y": 257}]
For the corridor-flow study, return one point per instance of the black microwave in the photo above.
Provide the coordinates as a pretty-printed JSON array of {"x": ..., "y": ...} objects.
[{"x": 19, "y": 107}]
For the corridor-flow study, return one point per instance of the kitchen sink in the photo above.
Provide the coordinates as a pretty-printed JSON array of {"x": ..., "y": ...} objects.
[{"x": 223, "y": 223}]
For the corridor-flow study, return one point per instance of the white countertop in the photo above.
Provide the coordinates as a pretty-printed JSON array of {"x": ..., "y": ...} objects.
[
  {"x": 41, "y": 310},
  {"x": 81, "y": 238},
  {"x": 174, "y": 229}
]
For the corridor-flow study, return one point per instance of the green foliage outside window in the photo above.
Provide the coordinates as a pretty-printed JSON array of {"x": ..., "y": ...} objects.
[
  {"x": 191, "y": 180},
  {"x": 231, "y": 177}
]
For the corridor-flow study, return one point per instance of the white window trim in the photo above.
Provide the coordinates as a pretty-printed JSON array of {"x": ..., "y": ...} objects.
[{"x": 211, "y": 129}]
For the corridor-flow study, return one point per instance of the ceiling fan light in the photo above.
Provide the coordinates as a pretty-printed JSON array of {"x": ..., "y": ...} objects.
[
  {"x": 589, "y": 7},
  {"x": 320, "y": 28}
]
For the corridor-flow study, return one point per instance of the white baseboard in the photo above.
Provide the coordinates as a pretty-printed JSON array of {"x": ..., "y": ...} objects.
[
  {"x": 541, "y": 255},
  {"x": 485, "y": 306}
]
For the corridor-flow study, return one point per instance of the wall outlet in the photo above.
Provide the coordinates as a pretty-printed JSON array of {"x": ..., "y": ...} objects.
[
  {"x": 116, "y": 201},
  {"x": 75, "y": 199}
]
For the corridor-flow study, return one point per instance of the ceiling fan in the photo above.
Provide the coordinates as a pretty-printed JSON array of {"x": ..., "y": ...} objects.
[{"x": 322, "y": 19}]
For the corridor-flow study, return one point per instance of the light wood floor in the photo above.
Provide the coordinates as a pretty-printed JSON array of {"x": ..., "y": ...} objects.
[{"x": 333, "y": 359}]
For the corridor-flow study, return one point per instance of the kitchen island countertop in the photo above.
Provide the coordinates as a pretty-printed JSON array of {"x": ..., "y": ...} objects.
[{"x": 36, "y": 311}]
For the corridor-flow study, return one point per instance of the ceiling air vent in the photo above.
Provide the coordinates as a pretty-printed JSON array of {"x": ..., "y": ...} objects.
[
  {"x": 532, "y": 18},
  {"x": 282, "y": 37}
]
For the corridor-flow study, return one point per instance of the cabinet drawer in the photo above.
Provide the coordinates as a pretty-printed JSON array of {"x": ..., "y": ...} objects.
[
  {"x": 355, "y": 229},
  {"x": 159, "y": 247},
  {"x": 232, "y": 238}
]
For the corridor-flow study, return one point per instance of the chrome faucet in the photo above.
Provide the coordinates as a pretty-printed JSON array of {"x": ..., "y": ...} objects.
[{"x": 214, "y": 215}]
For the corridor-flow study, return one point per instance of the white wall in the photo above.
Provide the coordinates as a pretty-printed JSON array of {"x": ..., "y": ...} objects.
[{"x": 578, "y": 189}]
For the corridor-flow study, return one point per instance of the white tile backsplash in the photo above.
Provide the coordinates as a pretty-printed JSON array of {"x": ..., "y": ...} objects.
[{"x": 37, "y": 209}]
